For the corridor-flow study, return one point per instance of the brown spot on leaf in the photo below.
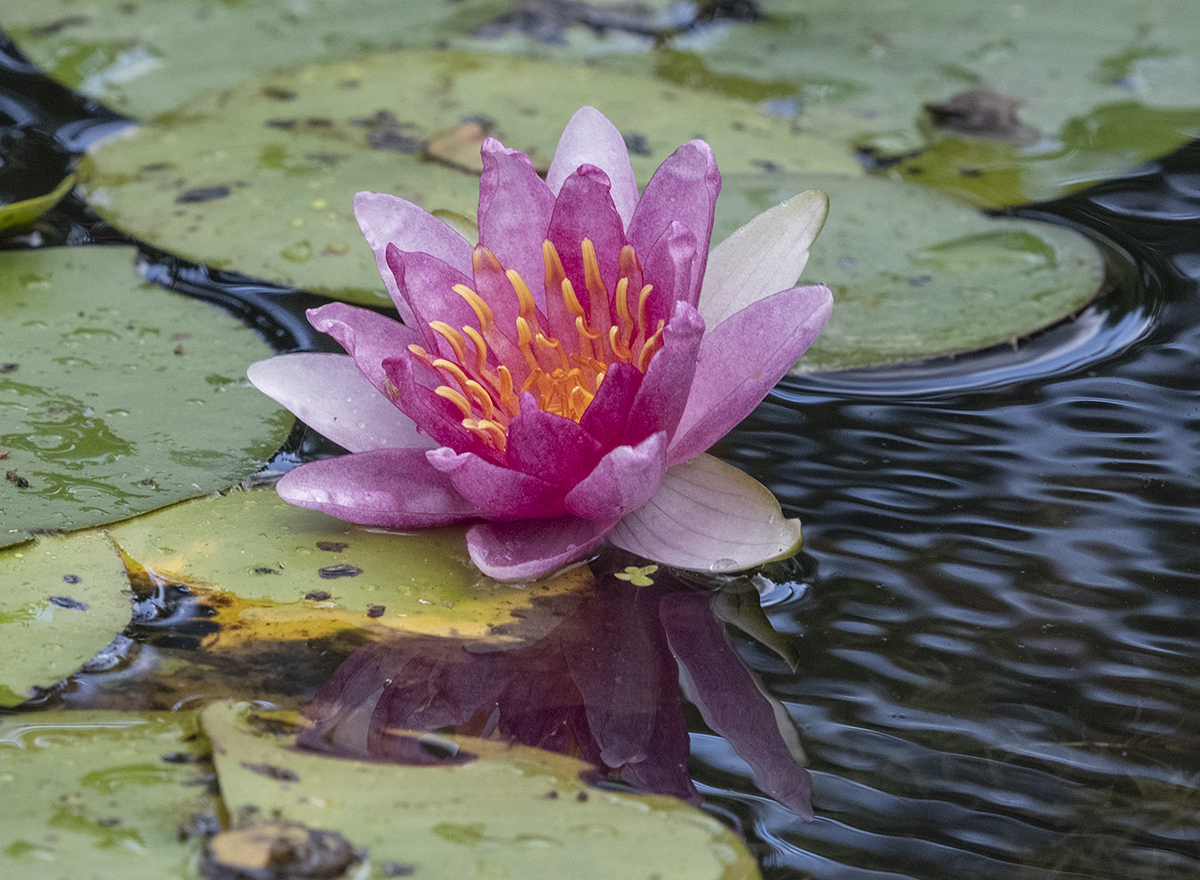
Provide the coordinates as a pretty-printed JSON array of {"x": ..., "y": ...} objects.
[
  {"x": 331, "y": 572},
  {"x": 983, "y": 113},
  {"x": 18, "y": 481},
  {"x": 9, "y": 368},
  {"x": 318, "y": 596},
  {"x": 272, "y": 772},
  {"x": 202, "y": 194},
  {"x": 332, "y": 546},
  {"x": 282, "y": 851},
  {"x": 374, "y": 611},
  {"x": 69, "y": 603}
]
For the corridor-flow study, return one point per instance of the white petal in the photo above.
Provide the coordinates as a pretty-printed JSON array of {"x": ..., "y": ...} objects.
[
  {"x": 763, "y": 257},
  {"x": 709, "y": 516},
  {"x": 329, "y": 394}
]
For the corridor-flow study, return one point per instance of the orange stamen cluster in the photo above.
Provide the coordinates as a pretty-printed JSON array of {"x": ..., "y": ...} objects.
[{"x": 492, "y": 366}]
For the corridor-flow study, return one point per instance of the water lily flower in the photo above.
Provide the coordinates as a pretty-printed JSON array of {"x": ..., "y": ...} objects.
[{"x": 557, "y": 384}]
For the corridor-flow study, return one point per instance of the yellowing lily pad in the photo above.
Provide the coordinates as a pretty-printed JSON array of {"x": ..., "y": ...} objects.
[
  {"x": 61, "y": 601},
  {"x": 146, "y": 57},
  {"x": 277, "y": 571},
  {"x": 514, "y": 811},
  {"x": 103, "y": 794},
  {"x": 18, "y": 214},
  {"x": 916, "y": 275},
  {"x": 260, "y": 178},
  {"x": 117, "y": 397}
]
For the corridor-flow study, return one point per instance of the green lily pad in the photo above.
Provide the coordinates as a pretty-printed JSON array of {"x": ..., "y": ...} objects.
[
  {"x": 916, "y": 275},
  {"x": 14, "y": 215},
  {"x": 117, "y": 397},
  {"x": 260, "y": 178},
  {"x": 513, "y": 811},
  {"x": 102, "y": 794},
  {"x": 64, "y": 599},
  {"x": 144, "y": 58},
  {"x": 290, "y": 573}
]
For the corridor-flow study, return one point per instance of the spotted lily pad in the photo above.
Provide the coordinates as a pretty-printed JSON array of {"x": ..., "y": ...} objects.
[
  {"x": 117, "y": 397},
  {"x": 146, "y": 57},
  {"x": 260, "y": 178},
  {"x": 916, "y": 275},
  {"x": 62, "y": 600},
  {"x": 278, "y": 571},
  {"x": 513, "y": 811},
  {"x": 103, "y": 794}
]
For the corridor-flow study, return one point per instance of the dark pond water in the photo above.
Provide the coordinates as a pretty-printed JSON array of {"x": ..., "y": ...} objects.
[{"x": 997, "y": 611}]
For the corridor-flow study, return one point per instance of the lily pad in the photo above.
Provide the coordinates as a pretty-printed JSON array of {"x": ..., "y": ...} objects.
[
  {"x": 916, "y": 275},
  {"x": 117, "y": 397},
  {"x": 513, "y": 811},
  {"x": 102, "y": 794},
  {"x": 63, "y": 600},
  {"x": 282, "y": 572},
  {"x": 144, "y": 58},
  {"x": 260, "y": 178}
]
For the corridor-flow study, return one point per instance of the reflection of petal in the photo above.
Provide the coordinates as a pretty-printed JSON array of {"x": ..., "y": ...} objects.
[
  {"x": 734, "y": 703},
  {"x": 617, "y": 656}
]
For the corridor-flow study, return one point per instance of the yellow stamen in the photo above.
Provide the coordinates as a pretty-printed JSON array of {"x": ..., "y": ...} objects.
[
  {"x": 651, "y": 345},
  {"x": 557, "y": 346},
  {"x": 455, "y": 398},
  {"x": 643, "y": 299},
  {"x": 481, "y": 397},
  {"x": 483, "y": 312},
  {"x": 452, "y": 336},
  {"x": 618, "y": 347},
  {"x": 481, "y": 352},
  {"x": 527, "y": 307},
  {"x": 454, "y": 370}
]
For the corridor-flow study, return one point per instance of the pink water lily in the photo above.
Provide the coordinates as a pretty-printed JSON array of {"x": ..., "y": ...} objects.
[{"x": 558, "y": 383}]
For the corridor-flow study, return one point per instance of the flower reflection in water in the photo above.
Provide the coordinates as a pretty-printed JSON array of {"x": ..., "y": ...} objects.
[{"x": 600, "y": 679}]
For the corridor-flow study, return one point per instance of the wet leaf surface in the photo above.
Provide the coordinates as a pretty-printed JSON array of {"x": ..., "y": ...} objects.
[
  {"x": 146, "y": 57},
  {"x": 915, "y": 274},
  {"x": 260, "y": 178},
  {"x": 513, "y": 811},
  {"x": 61, "y": 601},
  {"x": 118, "y": 397},
  {"x": 271, "y": 570},
  {"x": 93, "y": 795}
]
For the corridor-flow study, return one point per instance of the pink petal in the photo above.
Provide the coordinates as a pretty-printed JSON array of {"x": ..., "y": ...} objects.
[
  {"x": 590, "y": 139},
  {"x": 606, "y": 415},
  {"x": 369, "y": 337},
  {"x": 623, "y": 481},
  {"x": 668, "y": 266},
  {"x": 529, "y": 548},
  {"x": 514, "y": 211},
  {"x": 501, "y": 493},
  {"x": 392, "y": 488},
  {"x": 413, "y": 384},
  {"x": 662, "y": 395},
  {"x": 709, "y": 516},
  {"x": 728, "y": 384},
  {"x": 683, "y": 189},
  {"x": 426, "y": 286},
  {"x": 585, "y": 209},
  {"x": 734, "y": 703},
  {"x": 386, "y": 219},
  {"x": 550, "y": 446},
  {"x": 329, "y": 394}
]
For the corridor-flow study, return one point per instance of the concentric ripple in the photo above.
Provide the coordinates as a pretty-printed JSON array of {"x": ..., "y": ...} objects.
[{"x": 1000, "y": 646}]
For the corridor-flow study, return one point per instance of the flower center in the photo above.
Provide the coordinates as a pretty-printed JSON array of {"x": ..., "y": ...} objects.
[{"x": 561, "y": 356}]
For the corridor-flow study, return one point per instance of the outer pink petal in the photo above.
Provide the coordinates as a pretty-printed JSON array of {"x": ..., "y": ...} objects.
[
  {"x": 684, "y": 189},
  {"x": 514, "y": 211},
  {"x": 623, "y": 481},
  {"x": 662, "y": 396},
  {"x": 728, "y": 383},
  {"x": 550, "y": 446},
  {"x": 385, "y": 219},
  {"x": 585, "y": 210},
  {"x": 530, "y": 548},
  {"x": 331, "y": 395},
  {"x": 709, "y": 516},
  {"x": 590, "y": 139},
  {"x": 369, "y": 337},
  {"x": 392, "y": 488},
  {"x": 501, "y": 493}
]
